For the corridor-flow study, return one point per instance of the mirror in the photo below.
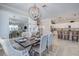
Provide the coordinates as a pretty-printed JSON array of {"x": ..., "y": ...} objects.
[
  {"x": 19, "y": 26},
  {"x": 16, "y": 27}
]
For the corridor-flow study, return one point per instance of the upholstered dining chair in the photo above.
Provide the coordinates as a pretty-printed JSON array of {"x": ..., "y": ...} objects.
[
  {"x": 50, "y": 41},
  {"x": 10, "y": 51},
  {"x": 42, "y": 46}
]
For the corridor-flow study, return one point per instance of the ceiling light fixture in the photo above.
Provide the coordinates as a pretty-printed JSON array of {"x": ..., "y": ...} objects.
[{"x": 34, "y": 12}]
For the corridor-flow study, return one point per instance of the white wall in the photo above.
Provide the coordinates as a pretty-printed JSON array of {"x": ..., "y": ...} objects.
[{"x": 4, "y": 24}]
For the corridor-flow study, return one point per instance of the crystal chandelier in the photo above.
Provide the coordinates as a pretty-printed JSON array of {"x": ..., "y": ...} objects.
[{"x": 34, "y": 12}]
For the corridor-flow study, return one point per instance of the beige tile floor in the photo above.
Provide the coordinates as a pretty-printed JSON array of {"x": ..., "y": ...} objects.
[{"x": 65, "y": 48}]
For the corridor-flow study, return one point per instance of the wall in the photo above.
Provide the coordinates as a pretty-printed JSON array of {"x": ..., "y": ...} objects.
[{"x": 4, "y": 22}]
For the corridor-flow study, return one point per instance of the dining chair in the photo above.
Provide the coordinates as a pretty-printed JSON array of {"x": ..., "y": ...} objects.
[
  {"x": 50, "y": 41},
  {"x": 10, "y": 51},
  {"x": 42, "y": 46},
  {"x": 25, "y": 34}
]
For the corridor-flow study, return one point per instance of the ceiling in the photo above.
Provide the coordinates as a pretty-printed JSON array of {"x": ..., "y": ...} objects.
[{"x": 55, "y": 11}]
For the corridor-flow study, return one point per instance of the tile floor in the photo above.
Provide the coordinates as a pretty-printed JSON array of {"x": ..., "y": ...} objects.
[{"x": 65, "y": 48}]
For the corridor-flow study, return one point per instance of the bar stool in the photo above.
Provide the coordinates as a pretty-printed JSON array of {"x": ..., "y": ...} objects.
[{"x": 75, "y": 36}]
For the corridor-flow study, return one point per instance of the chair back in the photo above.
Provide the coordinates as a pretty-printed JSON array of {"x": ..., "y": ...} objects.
[
  {"x": 50, "y": 39},
  {"x": 25, "y": 34},
  {"x": 43, "y": 43},
  {"x": 9, "y": 50}
]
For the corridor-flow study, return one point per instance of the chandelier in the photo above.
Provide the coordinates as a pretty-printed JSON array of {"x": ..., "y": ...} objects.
[{"x": 34, "y": 12}]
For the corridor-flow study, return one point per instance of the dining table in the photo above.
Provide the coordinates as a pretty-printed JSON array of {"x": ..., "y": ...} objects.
[{"x": 24, "y": 42}]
